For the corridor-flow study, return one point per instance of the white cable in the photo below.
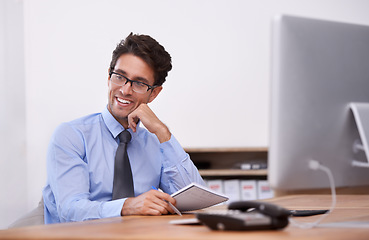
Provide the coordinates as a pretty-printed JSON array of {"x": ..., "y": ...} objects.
[{"x": 315, "y": 165}]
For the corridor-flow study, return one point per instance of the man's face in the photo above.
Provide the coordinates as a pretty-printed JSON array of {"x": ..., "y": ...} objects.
[{"x": 123, "y": 100}]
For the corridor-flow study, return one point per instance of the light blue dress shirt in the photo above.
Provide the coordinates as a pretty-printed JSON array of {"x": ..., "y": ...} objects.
[{"x": 80, "y": 168}]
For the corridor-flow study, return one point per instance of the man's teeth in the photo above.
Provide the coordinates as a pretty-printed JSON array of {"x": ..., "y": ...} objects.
[{"x": 123, "y": 101}]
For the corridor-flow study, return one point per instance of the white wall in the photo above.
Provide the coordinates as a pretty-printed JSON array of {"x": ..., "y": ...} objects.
[
  {"x": 217, "y": 94},
  {"x": 13, "y": 164}
]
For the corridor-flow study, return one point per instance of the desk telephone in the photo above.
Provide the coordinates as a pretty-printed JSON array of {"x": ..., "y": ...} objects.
[{"x": 246, "y": 215}]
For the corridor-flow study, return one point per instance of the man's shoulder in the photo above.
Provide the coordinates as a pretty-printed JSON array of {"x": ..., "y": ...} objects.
[
  {"x": 81, "y": 124},
  {"x": 93, "y": 118}
]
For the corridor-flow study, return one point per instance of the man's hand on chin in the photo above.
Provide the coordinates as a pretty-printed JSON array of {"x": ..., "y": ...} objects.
[{"x": 150, "y": 121}]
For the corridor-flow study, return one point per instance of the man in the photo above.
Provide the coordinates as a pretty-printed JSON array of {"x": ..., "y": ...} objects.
[{"x": 80, "y": 160}]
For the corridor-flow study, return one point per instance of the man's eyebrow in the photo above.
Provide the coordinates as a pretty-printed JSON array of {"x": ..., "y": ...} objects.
[
  {"x": 119, "y": 71},
  {"x": 141, "y": 79}
]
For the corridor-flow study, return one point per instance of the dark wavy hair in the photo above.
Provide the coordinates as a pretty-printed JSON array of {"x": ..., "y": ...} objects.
[{"x": 149, "y": 50}]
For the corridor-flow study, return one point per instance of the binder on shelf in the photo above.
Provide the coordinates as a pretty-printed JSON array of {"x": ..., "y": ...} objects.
[
  {"x": 264, "y": 190},
  {"x": 248, "y": 190},
  {"x": 232, "y": 189},
  {"x": 215, "y": 185}
]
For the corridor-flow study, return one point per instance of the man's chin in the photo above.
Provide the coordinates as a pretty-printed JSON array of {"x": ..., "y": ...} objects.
[{"x": 120, "y": 117}]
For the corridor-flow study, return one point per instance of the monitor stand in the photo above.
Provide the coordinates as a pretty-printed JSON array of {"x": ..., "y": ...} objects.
[{"x": 361, "y": 116}]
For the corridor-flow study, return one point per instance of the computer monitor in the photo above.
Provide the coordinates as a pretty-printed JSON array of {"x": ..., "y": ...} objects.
[{"x": 318, "y": 69}]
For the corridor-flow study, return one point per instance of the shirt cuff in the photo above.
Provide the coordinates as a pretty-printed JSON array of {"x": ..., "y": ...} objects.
[{"x": 112, "y": 208}]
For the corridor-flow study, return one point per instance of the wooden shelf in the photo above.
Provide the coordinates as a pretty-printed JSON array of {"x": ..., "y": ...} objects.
[
  {"x": 226, "y": 150},
  {"x": 226, "y": 158},
  {"x": 232, "y": 172}
]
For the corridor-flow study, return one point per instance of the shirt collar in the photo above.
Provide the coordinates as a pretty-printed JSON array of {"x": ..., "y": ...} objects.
[
  {"x": 111, "y": 123},
  {"x": 114, "y": 126}
]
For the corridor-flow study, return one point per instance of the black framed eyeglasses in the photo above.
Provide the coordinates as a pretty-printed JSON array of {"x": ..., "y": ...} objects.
[{"x": 137, "y": 86}]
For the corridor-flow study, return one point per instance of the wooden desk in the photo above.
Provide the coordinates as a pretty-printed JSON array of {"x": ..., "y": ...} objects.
[{"x": 349, "y": 208}]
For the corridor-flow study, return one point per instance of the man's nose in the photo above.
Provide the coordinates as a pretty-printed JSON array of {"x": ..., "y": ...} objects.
[{"x": 126, "y": 88}]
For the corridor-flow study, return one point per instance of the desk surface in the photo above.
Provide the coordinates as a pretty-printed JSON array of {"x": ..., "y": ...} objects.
[{"x": 349, "y": 208}]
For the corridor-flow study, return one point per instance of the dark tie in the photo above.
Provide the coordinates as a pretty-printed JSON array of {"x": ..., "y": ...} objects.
[{"x": 123, "y": 182}]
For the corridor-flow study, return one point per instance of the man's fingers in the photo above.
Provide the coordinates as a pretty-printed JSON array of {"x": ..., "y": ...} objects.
[
  {"x": 163, "y": 200},
  {"x": 150, "y": 121},
  {"x": 132, "y": 119},
  {"x": 161, "y": 209},
  {"x": 150, "y": 203}
]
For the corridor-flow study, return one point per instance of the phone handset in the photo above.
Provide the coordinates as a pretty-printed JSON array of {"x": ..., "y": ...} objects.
[
  {"x": 247, "y": 215},
  {"x": 265, "y": 208}
]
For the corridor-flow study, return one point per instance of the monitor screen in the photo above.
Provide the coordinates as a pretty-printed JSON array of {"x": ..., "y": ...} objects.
[{"x": 318, "y": 68}]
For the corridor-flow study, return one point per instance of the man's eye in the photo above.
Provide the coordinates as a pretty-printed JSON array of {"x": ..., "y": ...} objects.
[
  {"x": 119, "y": 78},
  {"x": 139, "y": 84}
]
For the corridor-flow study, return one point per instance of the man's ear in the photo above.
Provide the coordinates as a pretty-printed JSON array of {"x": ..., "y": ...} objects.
[
  {"x": 155, "y": 92},
  {"x": 108, "y": 75}
]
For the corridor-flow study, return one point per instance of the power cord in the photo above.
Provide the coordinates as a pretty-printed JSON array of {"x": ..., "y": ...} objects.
[{"x": 315, "y": 165}]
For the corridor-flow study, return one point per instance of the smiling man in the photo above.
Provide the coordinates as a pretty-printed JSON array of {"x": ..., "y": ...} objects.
[{"x": 81, "y": 154}]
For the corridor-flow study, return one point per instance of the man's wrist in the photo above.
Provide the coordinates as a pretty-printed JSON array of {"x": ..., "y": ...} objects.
[
  {"x": 164, "y": 134},
  {"x": 124, "y": 210}
]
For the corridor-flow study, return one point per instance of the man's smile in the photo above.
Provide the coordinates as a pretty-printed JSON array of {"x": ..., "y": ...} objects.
[{"x": 123, "y": 101}]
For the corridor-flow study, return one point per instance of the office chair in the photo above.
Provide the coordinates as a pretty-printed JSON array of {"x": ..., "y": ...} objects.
[{"x": 34, "y": 217}]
